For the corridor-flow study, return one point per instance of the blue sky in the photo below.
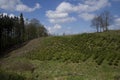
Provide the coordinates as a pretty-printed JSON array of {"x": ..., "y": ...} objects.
[{"x": 63, "y": 16}]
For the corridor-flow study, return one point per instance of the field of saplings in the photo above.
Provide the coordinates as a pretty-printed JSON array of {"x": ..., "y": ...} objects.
[
  {"x": 88, "y": 56},
  {"x": 101, "y": 47}
]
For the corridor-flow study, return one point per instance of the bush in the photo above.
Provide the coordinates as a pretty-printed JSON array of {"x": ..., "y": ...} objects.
[{"x": 10, "y": 76}]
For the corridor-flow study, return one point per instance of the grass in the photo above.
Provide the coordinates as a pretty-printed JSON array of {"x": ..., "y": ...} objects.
[
  {"x": 4, "y": 75},
  {"x": 73, "y": 71},
  {"x": 93, "y": 56},
  {"x": 100, "y": 46}
]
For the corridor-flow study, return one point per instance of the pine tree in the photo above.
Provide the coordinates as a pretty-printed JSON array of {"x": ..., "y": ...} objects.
[{"x": 22, "y": 28}]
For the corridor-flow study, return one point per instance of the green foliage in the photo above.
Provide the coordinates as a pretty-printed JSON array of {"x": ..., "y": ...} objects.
[
  {"x": 35, "y": 29},
  {"x": 117, "y": 77},
  {"x": 74, "y": 57},
  {"x": 10, "y": 76},
  {"x": 98, "y": 46},
  {"x": 13, "y": 31}
]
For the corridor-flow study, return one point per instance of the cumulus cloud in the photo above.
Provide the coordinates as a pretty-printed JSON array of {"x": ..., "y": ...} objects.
[
  {"x": 10, "y": 15},
  {"x": 116, "y": 24},
  {"x": 55, "y": 14},
  {"x": 117, "y": 21},
  {"x": 86, "y": 6},
  {"x": 94, "y": 5},
  {"x": 65, "y": 7},
  {"x": 59, "y": 17},
  {"x": 17, "y": 5},
  {"x": 87, "y": 16},
  {"x": 62, "y": 20},
  {"x": 5, "y": 14},
  {"x": 84, "y": 10},
  {"x": 25, "y": 8},
  {"x": 61, "y": 14},
  {"x": 54, "y": 28},
  {"x": 57, "y": 26}
]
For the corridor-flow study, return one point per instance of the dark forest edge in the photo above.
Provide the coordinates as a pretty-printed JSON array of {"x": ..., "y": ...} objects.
[{"x": 15, "y": 31}]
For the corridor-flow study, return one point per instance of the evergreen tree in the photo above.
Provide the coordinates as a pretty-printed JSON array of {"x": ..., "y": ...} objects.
[{"x": 22, "y": 34}]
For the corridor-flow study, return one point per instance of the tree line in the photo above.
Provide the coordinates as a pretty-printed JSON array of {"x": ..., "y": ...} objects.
[
  {"x": 14, "y": 30},
  {"x": 102, "y": 21}
]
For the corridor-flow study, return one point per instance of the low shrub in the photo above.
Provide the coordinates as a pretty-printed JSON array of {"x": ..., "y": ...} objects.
[{"x": 10, "y": 76}]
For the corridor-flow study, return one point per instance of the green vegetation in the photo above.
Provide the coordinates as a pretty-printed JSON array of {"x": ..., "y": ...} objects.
[
  {"x": 14, "y": 31},
  {"x": 88, "y": 56},
  {"x": 10, "y": 76},
  {"x": 98, "y": 46}
]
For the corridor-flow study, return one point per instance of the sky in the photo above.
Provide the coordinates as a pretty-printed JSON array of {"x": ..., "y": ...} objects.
[{"x": 63, "y": 16}]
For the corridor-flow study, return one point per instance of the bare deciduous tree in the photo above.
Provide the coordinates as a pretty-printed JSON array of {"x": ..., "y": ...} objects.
[
  {"x": 107, "y": 19},
  {"x": 102, "y": 21},
  {"x": 95, "y": 23}
]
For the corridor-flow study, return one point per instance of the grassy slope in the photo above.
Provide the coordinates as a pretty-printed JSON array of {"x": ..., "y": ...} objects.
[{"x": 92, "y": 56}]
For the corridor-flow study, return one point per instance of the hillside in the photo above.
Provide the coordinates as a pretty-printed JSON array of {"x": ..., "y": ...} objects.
[{"x": 88, "y": 56}]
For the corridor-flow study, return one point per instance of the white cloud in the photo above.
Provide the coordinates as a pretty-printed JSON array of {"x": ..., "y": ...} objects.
[
  {"x": 55, "y": 28},
  {"x": 5, "y": 14},
  {"x": 61, "y": 14},
  {"x": 87, "y": 16},
  {"x": 11, "y": 15},
  {"x": 25, "y": 8},
  {"x": 9, "y": 5},
  {"x": 86, "y": 6},
  {"x": 94, "y": 5},
  {"x": 17, "y": 5},
  {"x": 65, "y": 7},
  {"x": 62, "y": 20},
  {"x": 117, "y": 21},
  {"x": 59, "y": 17},
  {"x": 116, "y": 16},
  {"x": 84, "y": 10},
  {"x": 116, "y": 24},
  {"x": 55, "y": 14}
]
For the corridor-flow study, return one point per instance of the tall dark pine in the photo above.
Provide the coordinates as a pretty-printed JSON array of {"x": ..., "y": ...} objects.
[{"x": 22, "y": 28}]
